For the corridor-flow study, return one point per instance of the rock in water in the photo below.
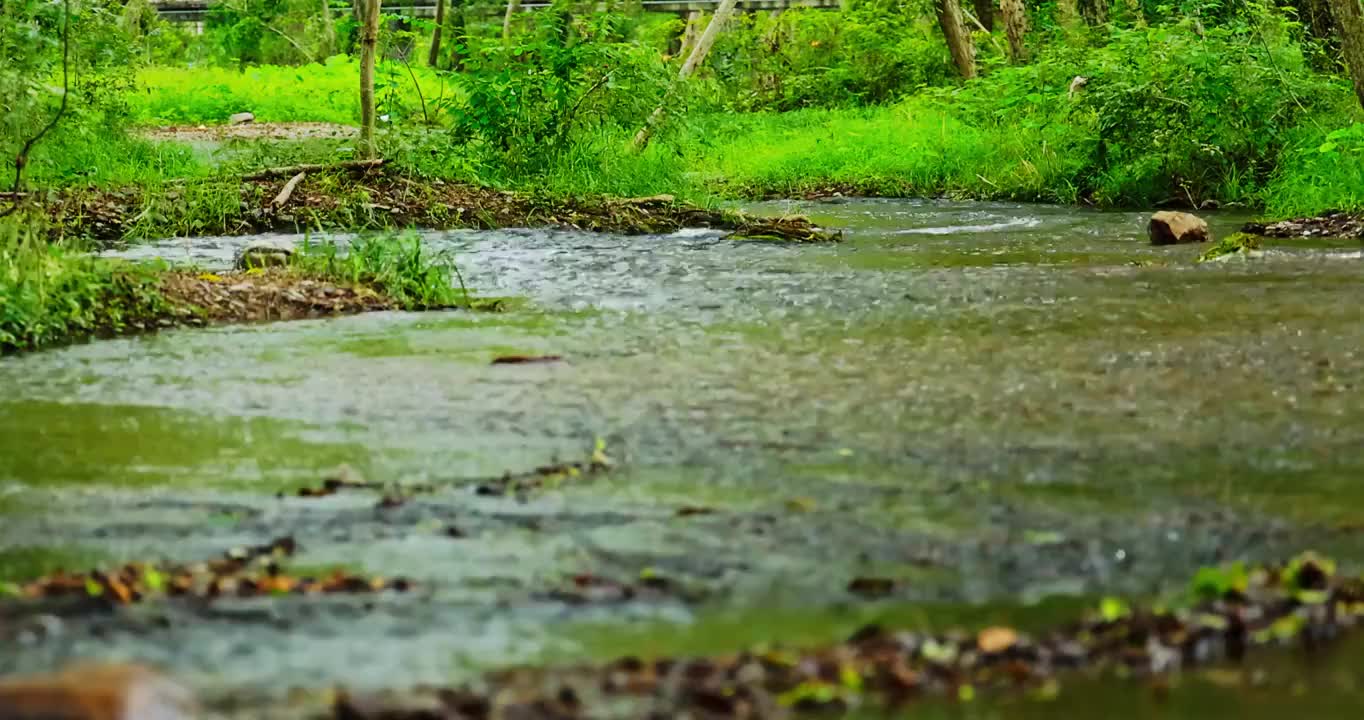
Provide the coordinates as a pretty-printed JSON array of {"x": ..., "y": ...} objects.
[
  {"x": 241, "y": 118},
  {"x": 1176, "y": 228},
  {"x": 96, "y": 692},
  {"x": 263, "y": 253}
]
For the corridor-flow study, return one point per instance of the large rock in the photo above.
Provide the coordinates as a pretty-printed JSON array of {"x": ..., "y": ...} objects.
[
  {"x": 1177, "y": 228},
  {"x": 263, "y": 254},
  {"x": 96, "y": 692},
  {"x": 241, "y": 118}
]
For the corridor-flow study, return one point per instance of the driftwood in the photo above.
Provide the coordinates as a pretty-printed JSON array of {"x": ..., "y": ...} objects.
[
  {"x": 283, "y": 196},
  {"x": 292, "y": 170}
]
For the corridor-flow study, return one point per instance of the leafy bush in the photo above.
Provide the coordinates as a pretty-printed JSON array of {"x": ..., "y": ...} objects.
[
  {"x": 872, "y": 52},
  {"x": 524, "y": 102}
]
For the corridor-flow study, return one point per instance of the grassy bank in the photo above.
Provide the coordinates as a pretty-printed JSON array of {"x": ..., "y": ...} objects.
[{"x": 51, "y": 294}]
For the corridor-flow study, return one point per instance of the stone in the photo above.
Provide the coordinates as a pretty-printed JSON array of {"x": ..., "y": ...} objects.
[
  {"x": 1177, "y": 228},
  {"x": 96, "y": 692},
  {"x": 241, "y": 118},
  {"x": 262, "y": 254}
]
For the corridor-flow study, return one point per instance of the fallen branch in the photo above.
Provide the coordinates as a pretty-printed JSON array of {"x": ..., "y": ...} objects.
[
  {"x": 291, "y": 170},
  {"x": 283, "y": 196}
]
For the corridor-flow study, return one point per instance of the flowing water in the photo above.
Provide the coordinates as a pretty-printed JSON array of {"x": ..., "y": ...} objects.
[{"x": 999, "y": 406}]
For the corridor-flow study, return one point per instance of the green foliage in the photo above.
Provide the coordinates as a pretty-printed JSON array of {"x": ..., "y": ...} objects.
[
  {"x": 101, "y": 60},
  {"x": 525, "y": 102},
  {"x": 50, "y": 293},
  {"x": 401, "y": 268},
  {"x": 1170, "y": 112},
  {"x": 873, "y": 52},
  {"x": 250, "y": 32},
  {"x": 1322, "y": 170}
]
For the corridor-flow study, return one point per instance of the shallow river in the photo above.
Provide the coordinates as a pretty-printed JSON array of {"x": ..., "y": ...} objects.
[{"x": 995, "y": 405}]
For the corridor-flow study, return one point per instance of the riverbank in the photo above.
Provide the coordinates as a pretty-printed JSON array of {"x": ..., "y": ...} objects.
[
  {"x": 361, "y": 196},
  {"x": 53, "y": 295}
]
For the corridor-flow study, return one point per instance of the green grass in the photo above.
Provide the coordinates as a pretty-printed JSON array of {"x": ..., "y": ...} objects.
[
  {"x": 1323, "y": 171},
  {"x": 315, "y": 92},
  {"x": 912, "y": 149},
  {"x": 50, "y": 293},
  {"x": 399, "y": 267}
]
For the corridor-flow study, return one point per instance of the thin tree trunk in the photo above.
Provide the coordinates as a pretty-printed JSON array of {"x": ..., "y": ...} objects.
[
  {"x": 1350, "y": 19},
  {"x": 1015, "y": 28},
  {"x": 689, "y": 32},
  {"x": 326, "y": 46},
  {"x": 958, "y": 38},
  {"x": 369, "y": 40},
  {"x": 985, "y": 13},
  {"x": 433, "y": 58},
  {"x": 694, "y": 60},
  {"x": 513, "y": 6}
]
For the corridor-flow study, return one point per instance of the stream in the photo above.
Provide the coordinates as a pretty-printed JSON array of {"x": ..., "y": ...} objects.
[{"x": 1010, "y": 410}]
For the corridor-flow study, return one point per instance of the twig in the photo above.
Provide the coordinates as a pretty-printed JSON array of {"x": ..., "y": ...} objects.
[
  {"x": 291, "y": 170},
  {"x": 288, "y": 191},
  {"x": 21, "y": 160},
  {"x": 426, "y": 119}
]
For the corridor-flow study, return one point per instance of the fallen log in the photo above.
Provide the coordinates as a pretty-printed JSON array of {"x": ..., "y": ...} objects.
[{"x": 292, "y": 170}]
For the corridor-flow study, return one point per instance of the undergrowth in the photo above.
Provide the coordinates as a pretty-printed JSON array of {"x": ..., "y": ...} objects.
[{"x": 50, "y": 293}]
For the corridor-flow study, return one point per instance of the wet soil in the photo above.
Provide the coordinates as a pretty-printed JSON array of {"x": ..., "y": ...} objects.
[{"x": 960, "y": 416}]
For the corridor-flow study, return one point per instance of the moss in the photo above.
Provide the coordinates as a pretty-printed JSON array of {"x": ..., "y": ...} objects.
[{"x": 1234, "y": 244}]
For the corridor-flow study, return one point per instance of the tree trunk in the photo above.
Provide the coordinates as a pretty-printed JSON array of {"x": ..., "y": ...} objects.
[
  {"x": 1350, "y": 19},
  {"x": 1094, "y": 12},
  {"x": 985, "y": 13},
  {"x": 369, "y": 40},
  {"x": 689, "y": 32},
  {"x": 697, "y": 56},
  {"x": 958, "y": 37},
  {"x": 513, "y": 6},
  {"x": 326, "y": 46},
  {"x": 433, "y": 57},
  {"x": 1067, "y": 14},
  {"x": 1016, "y": 28}
]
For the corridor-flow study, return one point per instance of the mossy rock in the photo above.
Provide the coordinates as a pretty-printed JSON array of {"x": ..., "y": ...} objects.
[{"x": 1243, "y": 244}]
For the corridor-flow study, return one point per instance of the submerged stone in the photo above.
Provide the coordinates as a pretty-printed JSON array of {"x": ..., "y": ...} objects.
[{"x": 263, "y": 253}]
